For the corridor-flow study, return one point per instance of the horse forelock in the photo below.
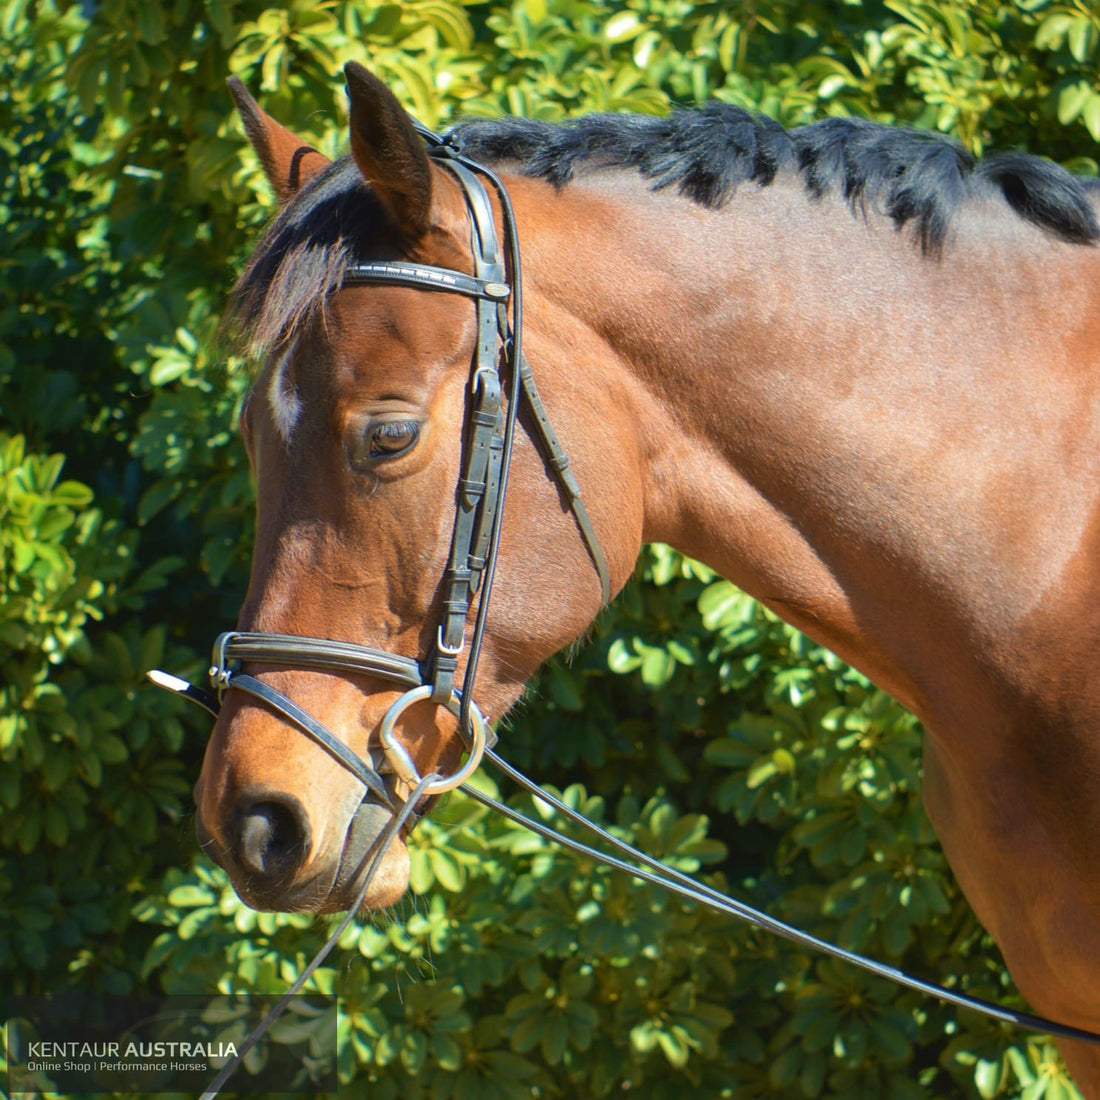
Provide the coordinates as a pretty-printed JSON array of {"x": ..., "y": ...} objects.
[
  {"x": 910, "y": 176},
  {"x": 303, "y": 256}
]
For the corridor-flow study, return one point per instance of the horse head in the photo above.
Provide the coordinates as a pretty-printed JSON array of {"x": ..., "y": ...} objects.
[{"x": 360, "y": 432}]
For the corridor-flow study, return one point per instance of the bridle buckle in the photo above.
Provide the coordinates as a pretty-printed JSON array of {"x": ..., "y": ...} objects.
[
  {"x": 445, "y": 650},
  {"x": 220, "y": 672}
]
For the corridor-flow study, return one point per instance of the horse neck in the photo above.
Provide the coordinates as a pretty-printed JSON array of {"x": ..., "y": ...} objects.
[
  {"x": 901, "y": 456},
  {"x": 844, "y": 428}
]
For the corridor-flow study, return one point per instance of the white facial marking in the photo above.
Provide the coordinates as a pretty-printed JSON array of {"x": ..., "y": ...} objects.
[{"x": 285, "y": 404}]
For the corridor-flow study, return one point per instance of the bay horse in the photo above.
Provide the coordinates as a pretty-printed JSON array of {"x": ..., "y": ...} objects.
[{"x": 849, "y": 368}]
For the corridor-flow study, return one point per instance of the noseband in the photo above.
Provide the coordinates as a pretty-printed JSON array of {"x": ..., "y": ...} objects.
[{"x": 500, "y": 379}]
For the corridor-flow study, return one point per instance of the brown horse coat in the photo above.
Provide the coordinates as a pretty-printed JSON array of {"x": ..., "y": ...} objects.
[{"x": 883, "y": 422}]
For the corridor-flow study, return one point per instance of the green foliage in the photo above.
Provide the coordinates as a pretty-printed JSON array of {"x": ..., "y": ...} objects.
[{"x": 513, "y": 970}]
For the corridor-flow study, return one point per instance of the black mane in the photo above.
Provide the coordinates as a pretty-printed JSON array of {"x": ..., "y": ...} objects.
[{"x": 911, "y": 176}]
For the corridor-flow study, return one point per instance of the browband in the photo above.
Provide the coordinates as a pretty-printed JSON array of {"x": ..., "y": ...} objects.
[{"x": 426, "y": 277}]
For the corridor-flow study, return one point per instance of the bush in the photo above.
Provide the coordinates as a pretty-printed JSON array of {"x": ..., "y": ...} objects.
[{"x": 513, "y": 969}]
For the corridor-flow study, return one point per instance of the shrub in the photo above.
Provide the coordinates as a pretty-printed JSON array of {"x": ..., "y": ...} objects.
[{"x": 694, "y": 723}]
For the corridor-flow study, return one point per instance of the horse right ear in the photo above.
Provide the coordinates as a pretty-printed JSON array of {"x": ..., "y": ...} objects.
[
  {"x": 389, "y": 153},
  {"x": 287, "y": 160}
]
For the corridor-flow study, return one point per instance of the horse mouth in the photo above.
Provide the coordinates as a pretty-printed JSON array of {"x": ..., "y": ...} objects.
[{"x": 362, "y": 850}]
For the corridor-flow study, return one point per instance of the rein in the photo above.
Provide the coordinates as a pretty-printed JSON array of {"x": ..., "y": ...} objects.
[
  {"x": 659, "y": 874},
  {"x": 501, "y": 378},
  {"x": 375, "y": 855}
]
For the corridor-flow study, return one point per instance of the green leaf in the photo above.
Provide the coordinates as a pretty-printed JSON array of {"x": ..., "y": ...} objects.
[
  {"x": 1052, "y": 31},
  {"x": 760, "y": 772},
  {"x": 722, "y": 604},
  {"x": 168, "y": 368},
  {"x": 784, "y": 1068},
  {"x": 111, "y": 749},
  {"x": 189, "y": 895},
  {"x": 1090, "y": 113},
  {"x": 1072, "y": 99},
  {"x": 673, "y": 1048},
  {"x": 622, "y": 26},
  {"x": 1081, "y": 38},
  {"x": 446, "y": 870},
  {"x": 988, "y": 1077},
  {"x": 621, "y": 659}
]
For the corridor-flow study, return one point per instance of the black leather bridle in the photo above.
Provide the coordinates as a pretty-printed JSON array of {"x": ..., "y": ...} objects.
[{"x": 500, "y": 379}]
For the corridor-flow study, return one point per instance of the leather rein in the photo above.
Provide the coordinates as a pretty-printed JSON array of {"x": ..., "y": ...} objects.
[{"x": 499, "y": 371}]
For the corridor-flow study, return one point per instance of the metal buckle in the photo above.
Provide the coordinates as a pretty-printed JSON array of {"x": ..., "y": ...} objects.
[
  {"x": 448, "y": 650},
  {"x": 398, "y": 755},
  {"x": 219, "y": 672},
  {"x": 482, "y": 373}
]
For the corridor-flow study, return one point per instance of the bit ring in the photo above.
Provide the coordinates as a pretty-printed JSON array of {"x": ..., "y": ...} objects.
[{"x": 398, "y": 755}]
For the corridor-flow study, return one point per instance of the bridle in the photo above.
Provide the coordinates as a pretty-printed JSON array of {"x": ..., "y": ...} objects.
[
  {"x": 500, "y": 379},
  {"x": 499, "y": 371}
]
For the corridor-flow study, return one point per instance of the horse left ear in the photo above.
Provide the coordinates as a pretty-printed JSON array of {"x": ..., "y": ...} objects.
[
  {"x": 287, "y": 160},
  {"x": 389, "y": 152}
]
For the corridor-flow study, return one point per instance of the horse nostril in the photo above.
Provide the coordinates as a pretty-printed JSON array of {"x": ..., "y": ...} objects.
[{"x": 273, "y": 837}]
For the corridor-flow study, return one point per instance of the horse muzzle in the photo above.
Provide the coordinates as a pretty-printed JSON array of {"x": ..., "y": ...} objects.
[{"x": 277, "y": 857}]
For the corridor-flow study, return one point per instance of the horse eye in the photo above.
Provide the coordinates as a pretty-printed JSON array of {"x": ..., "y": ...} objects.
[{"x": 391, "y": 438}]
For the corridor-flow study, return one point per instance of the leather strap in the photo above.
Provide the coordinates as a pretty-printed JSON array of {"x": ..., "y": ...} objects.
[
  {"x": 286, "y": 707},
  {"x": 475, "y": 506},
  {"x": 426, "y": 277},
  {"x": 500, "y": 379},
  {"x": 558, "y": 461},
  {"x": 295, "y": 651}
]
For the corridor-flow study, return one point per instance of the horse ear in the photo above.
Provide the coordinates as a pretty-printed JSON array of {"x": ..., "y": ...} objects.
[
  {"x": 287, "y": 160},
  {"x": 389, "y": 152}
]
